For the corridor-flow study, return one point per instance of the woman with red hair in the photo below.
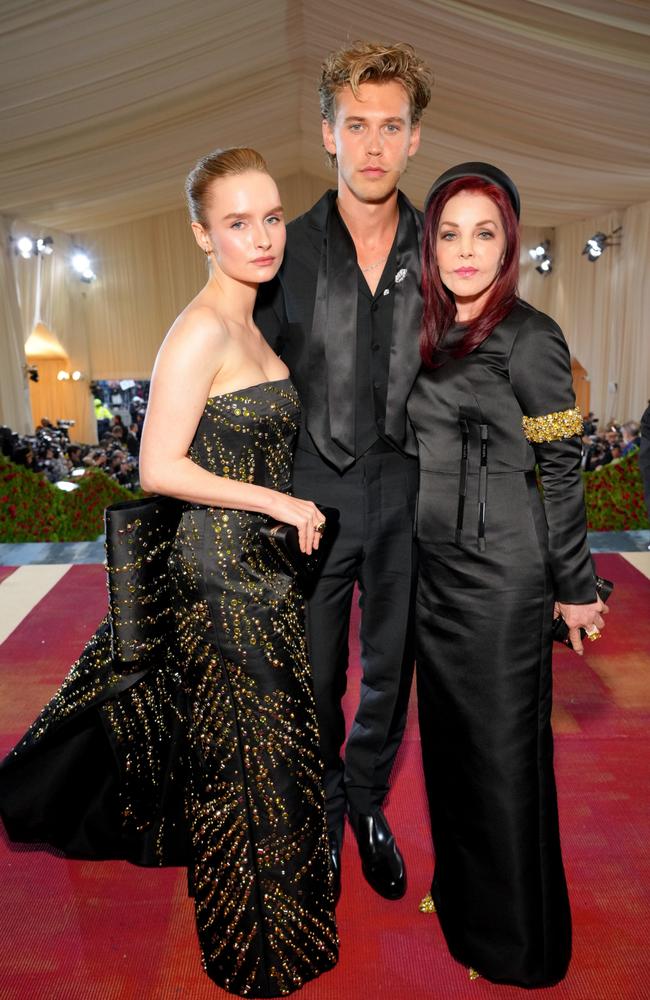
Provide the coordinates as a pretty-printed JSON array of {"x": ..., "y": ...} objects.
[{"x": 497, "y": 559}]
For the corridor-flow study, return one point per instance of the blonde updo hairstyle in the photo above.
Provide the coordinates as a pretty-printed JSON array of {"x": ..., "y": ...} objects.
[{"x": 217, "y": 164}]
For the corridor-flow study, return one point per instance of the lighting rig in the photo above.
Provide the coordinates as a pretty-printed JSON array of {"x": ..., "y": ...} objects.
[
  {"x": 599, "y": 242},
  {"x": 43, "y": 246},
  {"x": 542, "y": 255}
]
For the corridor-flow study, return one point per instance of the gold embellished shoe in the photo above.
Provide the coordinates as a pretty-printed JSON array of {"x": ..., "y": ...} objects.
[
  {"x": 427, "y": 904},
  {"x": 473, "y": 974}
]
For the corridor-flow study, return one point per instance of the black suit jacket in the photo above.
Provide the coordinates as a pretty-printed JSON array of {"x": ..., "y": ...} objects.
[{"x": 285, "y": 315}]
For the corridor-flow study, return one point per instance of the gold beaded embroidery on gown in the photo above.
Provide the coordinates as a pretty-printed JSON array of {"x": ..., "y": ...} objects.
[{"x": 216, "y": 748}]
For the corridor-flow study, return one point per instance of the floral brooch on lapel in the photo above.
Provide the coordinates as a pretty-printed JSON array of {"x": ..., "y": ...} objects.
[{"x": 399, "y": 277}]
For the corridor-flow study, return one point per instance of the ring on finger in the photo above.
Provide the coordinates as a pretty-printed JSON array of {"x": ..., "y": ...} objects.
[
  {"x": 593, "y": 632},
  {"x": 320, "y": 528}
]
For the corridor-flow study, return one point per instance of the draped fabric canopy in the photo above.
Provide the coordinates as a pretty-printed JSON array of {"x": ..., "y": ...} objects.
[{"x": 104, "y": 105}]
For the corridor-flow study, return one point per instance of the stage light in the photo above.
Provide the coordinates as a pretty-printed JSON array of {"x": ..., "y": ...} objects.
[
  {"x": 542, "y": 254},
  {"x": 594, "y": 247},
  {"x": 63, "y": 376},
  {"x": 596, "y": 244},
  {"x": 25, "y": 247},
  {"x": 76, "y": 376},
  {"x": 80, "y": 261}
]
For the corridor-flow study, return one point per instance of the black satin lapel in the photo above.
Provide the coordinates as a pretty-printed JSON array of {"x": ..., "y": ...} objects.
[
  {"x": 327, "y": 362},
  {"x": 404, "y": 360}
]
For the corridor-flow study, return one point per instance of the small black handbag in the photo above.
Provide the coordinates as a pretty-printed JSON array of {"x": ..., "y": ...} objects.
[
  {"x": 139, "y": 535},
  {"x": 283, "y": 539}
]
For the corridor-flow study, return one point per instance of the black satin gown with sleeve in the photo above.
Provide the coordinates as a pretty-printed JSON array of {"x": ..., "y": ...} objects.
[
  {"x": 212, "y": 759},
  {"x": 494, "y": 555}
]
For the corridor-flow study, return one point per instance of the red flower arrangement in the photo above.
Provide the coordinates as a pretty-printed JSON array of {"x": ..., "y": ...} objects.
[
  {"x": 614, "y": 496},
  {"x": 33, "y": 510}
]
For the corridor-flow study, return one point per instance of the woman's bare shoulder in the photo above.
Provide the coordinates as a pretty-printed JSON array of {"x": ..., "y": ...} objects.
[{"x": 199, "y": 326}]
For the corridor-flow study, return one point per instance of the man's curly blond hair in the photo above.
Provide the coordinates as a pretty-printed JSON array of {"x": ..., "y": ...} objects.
[{"x": 374, "y": 62}]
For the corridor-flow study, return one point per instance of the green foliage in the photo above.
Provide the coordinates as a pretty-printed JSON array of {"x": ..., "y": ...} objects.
[
  {"x": 29, "y": 505},
  {"x": 33, "y": 510},
  {"x": 614, "y": 496}
]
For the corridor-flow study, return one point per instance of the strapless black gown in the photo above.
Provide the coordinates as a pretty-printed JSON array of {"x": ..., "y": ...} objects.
[{"x": 212, "y": 759}]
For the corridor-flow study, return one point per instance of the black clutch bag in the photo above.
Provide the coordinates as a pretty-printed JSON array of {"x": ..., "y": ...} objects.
[
  {"x": 139, "y": 535},
  {"x": 560, "y": 629},
  {"x": 283, "y": 540}
]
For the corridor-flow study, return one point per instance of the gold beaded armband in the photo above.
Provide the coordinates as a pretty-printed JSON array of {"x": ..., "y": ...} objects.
[{"x": 553, "y": 426}]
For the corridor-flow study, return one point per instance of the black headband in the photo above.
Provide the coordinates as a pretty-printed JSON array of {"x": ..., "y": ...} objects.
[{"x": 483, "y": 170}]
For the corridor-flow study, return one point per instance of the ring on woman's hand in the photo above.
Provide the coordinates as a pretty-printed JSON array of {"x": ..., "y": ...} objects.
[
  {"x": 320, "y": 528},
  {"x": 593, "y": 633}
]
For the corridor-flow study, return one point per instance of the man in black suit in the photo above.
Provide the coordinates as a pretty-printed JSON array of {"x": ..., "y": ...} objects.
[{"x": 345, "y": 318}]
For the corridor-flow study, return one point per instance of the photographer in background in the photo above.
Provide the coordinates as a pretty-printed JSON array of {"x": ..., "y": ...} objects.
[
  {"x": 631, "y": 437},
  {"x": 600, "y": 449},
  {"x": 133, "y": 441},
  {"x": 50, "y": 453},
  {"x": 644, "y": 455}
]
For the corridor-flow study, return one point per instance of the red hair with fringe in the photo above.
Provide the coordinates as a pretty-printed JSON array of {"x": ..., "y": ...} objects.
[{"x": 439, "y": 313}]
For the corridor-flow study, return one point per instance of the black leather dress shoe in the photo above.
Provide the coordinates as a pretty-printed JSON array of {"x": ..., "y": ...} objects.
[
  {"x": 381, "y": 861},
  {"x": 335, "y": 861}
]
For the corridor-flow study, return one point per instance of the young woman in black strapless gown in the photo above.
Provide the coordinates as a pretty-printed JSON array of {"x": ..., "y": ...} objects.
[
  {"x": 212, "y": 759},
  {"x": 494, "y": 400}
]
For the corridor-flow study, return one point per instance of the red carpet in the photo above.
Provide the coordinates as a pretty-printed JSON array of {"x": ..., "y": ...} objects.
[{"x": 79, "y": 930}]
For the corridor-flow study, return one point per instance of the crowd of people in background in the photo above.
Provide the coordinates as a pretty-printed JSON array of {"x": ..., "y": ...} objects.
[
  {"x": 119, "y": 409},
  {"x": 50, "y": 451},
  {"x": 600, "y": 447}
]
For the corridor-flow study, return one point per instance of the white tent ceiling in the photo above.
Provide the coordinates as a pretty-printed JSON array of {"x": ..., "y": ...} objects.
[{"x": 105, "y": 104}]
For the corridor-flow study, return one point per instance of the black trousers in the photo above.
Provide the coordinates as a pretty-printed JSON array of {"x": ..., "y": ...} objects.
[{"x": 374, "y": 549}]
